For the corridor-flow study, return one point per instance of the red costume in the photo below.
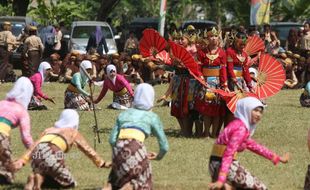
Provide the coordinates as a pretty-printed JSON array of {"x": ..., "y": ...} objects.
[
  {"x": 237, "y": 68},
  {"x": 214, "y": 72}
]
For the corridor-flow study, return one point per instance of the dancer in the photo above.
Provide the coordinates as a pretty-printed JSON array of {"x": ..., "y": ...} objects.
[
  {"x": 75, "y": 95},
  {"x": 225, "y": 169},
  {"x": 132, "y": 127},
  {"x": 122, "y": 91},
  {"x": 48, "y": 154},
  {"x": 13, "y": 114},
  {"x": 237, "y": 69},
  {"x": 37, "y": 81},
  {"x": 213, "y": 60}
]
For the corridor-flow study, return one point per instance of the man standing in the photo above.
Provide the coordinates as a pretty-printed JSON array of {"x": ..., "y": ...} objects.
[
  {"x": 7, "y": 45},
  {"x": 33, "y": 50}
]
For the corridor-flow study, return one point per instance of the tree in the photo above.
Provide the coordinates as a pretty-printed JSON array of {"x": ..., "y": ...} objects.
[
  {"x": 106, "y": 7},
  {"x": 60, "y": 11},
  {"x": 20, "y": 7},
  {"x": 290, "y": 10}
]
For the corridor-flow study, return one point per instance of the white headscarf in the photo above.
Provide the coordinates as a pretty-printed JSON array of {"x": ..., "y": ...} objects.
[
  {"x": 85, "y": 65},
  {"x": 69, "y": 118},
  {"x": 144, "y": 97},
  {"x": 42, "y": 68},
  {"x": 244, "y": 110},
  {"x": 253, "y": 70},
  {"x": 109, "y": 69},
  {"x": 21, "y": 92}
]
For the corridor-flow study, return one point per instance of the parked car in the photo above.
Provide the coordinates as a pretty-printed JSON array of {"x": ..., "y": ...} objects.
[
  {"x": 198, "y": 24},
  {"x": 283, "y": 28},
  {"x": 18, "y": 24},
  {"x": 81, "y": 30}
]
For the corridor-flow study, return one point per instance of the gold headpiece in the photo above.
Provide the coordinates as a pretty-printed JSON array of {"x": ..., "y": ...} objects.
[
  {"x": 176, "y": 35},
  {"x": 213, "y": 32},
  {"x": 190, "y": 28}
]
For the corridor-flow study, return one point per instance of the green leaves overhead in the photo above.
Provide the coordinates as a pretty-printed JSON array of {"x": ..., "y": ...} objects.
[{"x": 62, "y": 10}]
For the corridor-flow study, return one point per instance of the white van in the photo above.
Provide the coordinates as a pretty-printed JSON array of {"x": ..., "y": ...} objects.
[{"x": 81, "y": 30}]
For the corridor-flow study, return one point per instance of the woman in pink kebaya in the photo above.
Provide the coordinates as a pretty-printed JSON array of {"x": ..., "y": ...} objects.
[{"x": 225, "y": 169}]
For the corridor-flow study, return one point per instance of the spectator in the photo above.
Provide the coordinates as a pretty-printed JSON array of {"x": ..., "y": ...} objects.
[
  {"x": 132, "y": 45},
  {"x": 97, "y": 42},
  {"x": 292, "y": 40}
]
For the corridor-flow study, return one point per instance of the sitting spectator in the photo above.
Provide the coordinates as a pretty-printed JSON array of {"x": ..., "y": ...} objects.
[
  {"x": 73, "y": 68},
  {"x": 55, "y": 63}
]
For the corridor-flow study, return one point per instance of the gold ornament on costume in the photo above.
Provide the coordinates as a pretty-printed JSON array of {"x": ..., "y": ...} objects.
[
  {"x": 212, "y": 57},
  {"x": 240, "y": 58},
  {"x": 209, "y": 96}
]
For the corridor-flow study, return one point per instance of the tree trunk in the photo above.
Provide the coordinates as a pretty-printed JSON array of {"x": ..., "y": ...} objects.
[
  {"x": 105, "y": 8},
  {"x": 20, "y": 7}
]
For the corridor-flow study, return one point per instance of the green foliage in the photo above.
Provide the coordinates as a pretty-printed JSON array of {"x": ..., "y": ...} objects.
[
  {"x": 62, "y": 10},
  {"x": 291, "y": 10},
  {"x": 6, "y": 10}
]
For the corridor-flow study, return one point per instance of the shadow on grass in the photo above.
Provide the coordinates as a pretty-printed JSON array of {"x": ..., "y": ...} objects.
[
  {"x": 13, "y": 186},
  {"x": 173, "y": 133}
]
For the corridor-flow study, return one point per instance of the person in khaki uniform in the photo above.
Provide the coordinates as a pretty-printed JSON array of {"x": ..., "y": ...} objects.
[
  {"x": 33, "y": 49},
  {"x": 7, "y": 45}
]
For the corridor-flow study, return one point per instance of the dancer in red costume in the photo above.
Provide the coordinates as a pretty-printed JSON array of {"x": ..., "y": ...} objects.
[{"x": 213, "y": 60}]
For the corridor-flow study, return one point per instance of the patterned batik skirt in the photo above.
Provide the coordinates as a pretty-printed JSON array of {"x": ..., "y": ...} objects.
[
  {"x": 5, "y": 159},
  {"x": 130, "y": 165},
  {"x": 182, "y": 98},
  {"x": 304, "y": 99},
  {"x": 241, "y": 83},
  {"x": 36, "y": 104},
  {"x": 75, "y": 101},
  {"x": 238, "y": 176},
  {"x": 124, "y": 99},
  {"x": 307, "y": 180},
  {"x": 209, "y": 107},
  {"x": 48, "y": 161}
]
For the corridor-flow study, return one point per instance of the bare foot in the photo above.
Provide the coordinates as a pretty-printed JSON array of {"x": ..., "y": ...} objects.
[
  {"x": 127, "y": 186},
  {"x": 38, "y": 180},
  {"x": 30, "y": 182},
  {"x": 107, "y": 186}
]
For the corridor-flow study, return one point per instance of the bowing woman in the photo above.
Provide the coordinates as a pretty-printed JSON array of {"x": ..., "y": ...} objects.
[
  {"x": 131, "y": 162},
  {"x": 13, "y": 114},
  {"x": 38, "y": 80},
  {"x": 48, "y": 154},
  {"x": 226, "y": 171},
  {"x": 75, "y": 95},
  {"x": 122, "y": 91}
]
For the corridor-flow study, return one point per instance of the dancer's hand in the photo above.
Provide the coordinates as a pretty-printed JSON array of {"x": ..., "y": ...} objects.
[
  {"x": 284, "y": 159},
  {"x": 216, "y": 185},
  {"x": 163, "y": 98},
  {"x": 106, "y": 165},
  {"x": 226, "y": 89},
  {"x": 151, "y": 155},
  {"x": 51, "y": 100},
  {"x": 16, "y": 165}
]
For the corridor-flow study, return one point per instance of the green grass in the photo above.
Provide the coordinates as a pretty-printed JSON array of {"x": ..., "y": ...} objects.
[{"x": 283, "y": 128}]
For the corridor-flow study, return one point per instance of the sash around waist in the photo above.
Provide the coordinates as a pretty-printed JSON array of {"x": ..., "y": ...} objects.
[{"x": 5, "y": 126}]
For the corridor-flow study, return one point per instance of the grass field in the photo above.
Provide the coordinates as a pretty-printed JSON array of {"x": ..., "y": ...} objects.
[{"x": 283, "y": 128}]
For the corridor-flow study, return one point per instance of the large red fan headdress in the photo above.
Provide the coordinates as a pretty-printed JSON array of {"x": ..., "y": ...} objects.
[
  {"x": 270, "y": 78},
  {"x": 254, "y": 45},
  {"x": 151, "y": 43},
  {"x": 231, "y": 98},
  {"x": 181, "y": 55}
]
